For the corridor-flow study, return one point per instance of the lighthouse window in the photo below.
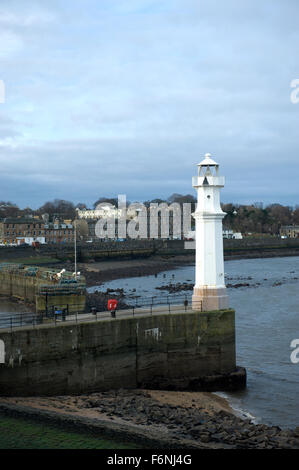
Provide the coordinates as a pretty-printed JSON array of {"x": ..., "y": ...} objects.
[{"x": 209, "y": 197}]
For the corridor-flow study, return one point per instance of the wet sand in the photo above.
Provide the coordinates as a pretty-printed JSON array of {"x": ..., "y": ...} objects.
[
  {"x": 109, "y": 270},
  {"x": 103, "y": 271}
]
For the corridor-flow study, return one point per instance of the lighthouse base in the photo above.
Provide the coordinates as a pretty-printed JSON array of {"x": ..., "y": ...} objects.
[{"x": 206, "y": 299}]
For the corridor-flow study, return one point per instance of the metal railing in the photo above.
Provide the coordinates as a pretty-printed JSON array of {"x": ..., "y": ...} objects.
[
  {"x": 14, "y": 320},
  {"x": 140, "y": 306}
]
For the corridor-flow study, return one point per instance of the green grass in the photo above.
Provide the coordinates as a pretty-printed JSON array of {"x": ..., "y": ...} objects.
[{"x": 20, "y": 433}]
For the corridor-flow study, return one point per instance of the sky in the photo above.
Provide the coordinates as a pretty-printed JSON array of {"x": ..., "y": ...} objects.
[{"x": 108, "y": 97}]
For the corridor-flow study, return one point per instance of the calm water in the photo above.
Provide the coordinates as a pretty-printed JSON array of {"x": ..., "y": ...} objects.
[{"x": 267, "y": 320}]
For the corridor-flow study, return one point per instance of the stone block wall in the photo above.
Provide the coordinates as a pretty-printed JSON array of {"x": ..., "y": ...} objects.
[
  {"x": 186, "y": 351},
  {"x": 41, "y": 292}
]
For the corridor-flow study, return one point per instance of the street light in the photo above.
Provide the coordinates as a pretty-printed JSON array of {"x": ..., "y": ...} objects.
[
  {"x": 75, "y": 242},
  {"x": 75, "y": 234}
]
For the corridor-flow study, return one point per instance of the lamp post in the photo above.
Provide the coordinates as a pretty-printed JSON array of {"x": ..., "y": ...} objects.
[
  {"x": 75, "y": 234},
  {"x": 75, "y": 242}
]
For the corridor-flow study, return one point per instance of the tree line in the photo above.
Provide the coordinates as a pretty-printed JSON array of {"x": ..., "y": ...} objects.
[{"x": 252, "y": 218}]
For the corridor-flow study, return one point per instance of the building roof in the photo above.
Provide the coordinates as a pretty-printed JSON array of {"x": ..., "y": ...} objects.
[{"x": 208, "y": 161}]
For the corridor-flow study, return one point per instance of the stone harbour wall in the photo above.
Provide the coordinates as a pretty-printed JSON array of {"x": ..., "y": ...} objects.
[
  {"x": 182, "y": 351},
  {"x": 39, "y": 287}
]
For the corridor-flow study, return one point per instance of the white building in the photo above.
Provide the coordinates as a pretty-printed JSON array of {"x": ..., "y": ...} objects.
[
  {"x": 190, "y": 235},
  {"x": 107, "y": 211},
  {"x": 104, "y": 212},
  {"x": 209, "y": 290},
  {"x": 231, "y": 235},
  {"x": 30, "y": 240}
]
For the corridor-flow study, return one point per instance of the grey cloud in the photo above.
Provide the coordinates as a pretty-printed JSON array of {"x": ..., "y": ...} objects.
[{"x": 108, "y": 97}]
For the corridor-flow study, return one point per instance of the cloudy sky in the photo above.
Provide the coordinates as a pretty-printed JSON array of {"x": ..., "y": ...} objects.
[{"x": 108, "y": 97}]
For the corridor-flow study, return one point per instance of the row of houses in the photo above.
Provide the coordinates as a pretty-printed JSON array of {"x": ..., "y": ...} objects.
[
  {"x": 34, "y": 230},
  {"x": 17, "y": 231},
  {"x": 289, "y": 231}
]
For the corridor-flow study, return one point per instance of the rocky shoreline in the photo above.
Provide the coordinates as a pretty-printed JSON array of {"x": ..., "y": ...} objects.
[
  {"x": 97, "y": 273},
  {"x": 99, "y": 299},
  {"x": 157, "y": 419}
]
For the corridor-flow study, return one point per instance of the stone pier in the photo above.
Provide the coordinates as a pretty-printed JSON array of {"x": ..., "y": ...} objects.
[{"x": 177, "y": 351}]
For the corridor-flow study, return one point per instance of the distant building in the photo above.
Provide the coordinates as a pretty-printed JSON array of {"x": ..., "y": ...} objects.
[
  {"x": 30, "y": 240},
  {"x": 238, "y": 236},
  {"x": 59, "y": 232},
  {"x": 95, "y": 214},
  {"x": 231, "y": 235},
  {"x": 154, "y": 219},
  {"x": 16, "y": 231},
  {"x": 289, "y": 231},
  {"x": 190, "y": 235}
]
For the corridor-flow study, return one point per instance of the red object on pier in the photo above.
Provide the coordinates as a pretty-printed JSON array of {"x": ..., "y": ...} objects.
[{"x": 112, "y": 305}]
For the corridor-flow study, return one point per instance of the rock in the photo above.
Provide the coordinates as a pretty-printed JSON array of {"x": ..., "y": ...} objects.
[
  {"x": 260, "y": 439},
  {"x": 263, "y": 445},
  {"x": 205, "y": 438},
  {"x": 218, "y": 437},
  {"x": 138, "y": 407},
  {"x": 196, "y": 431}
]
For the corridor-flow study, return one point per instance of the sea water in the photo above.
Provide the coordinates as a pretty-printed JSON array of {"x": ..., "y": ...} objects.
[{"x": 267, "y": 320}]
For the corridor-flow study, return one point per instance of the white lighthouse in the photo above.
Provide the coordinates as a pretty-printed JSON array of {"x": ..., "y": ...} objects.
[{"x": 209, "y": 290}]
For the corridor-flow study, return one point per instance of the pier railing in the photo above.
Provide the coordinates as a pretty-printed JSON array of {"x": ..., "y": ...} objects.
[
  {"x": 15, "y": 320},
  {"x": 139, "y": 306}
]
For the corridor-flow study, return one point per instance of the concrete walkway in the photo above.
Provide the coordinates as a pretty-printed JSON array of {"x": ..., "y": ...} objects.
[
  {"x": 103, "y": 316},
  {"x": 128, "y": 313}
]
